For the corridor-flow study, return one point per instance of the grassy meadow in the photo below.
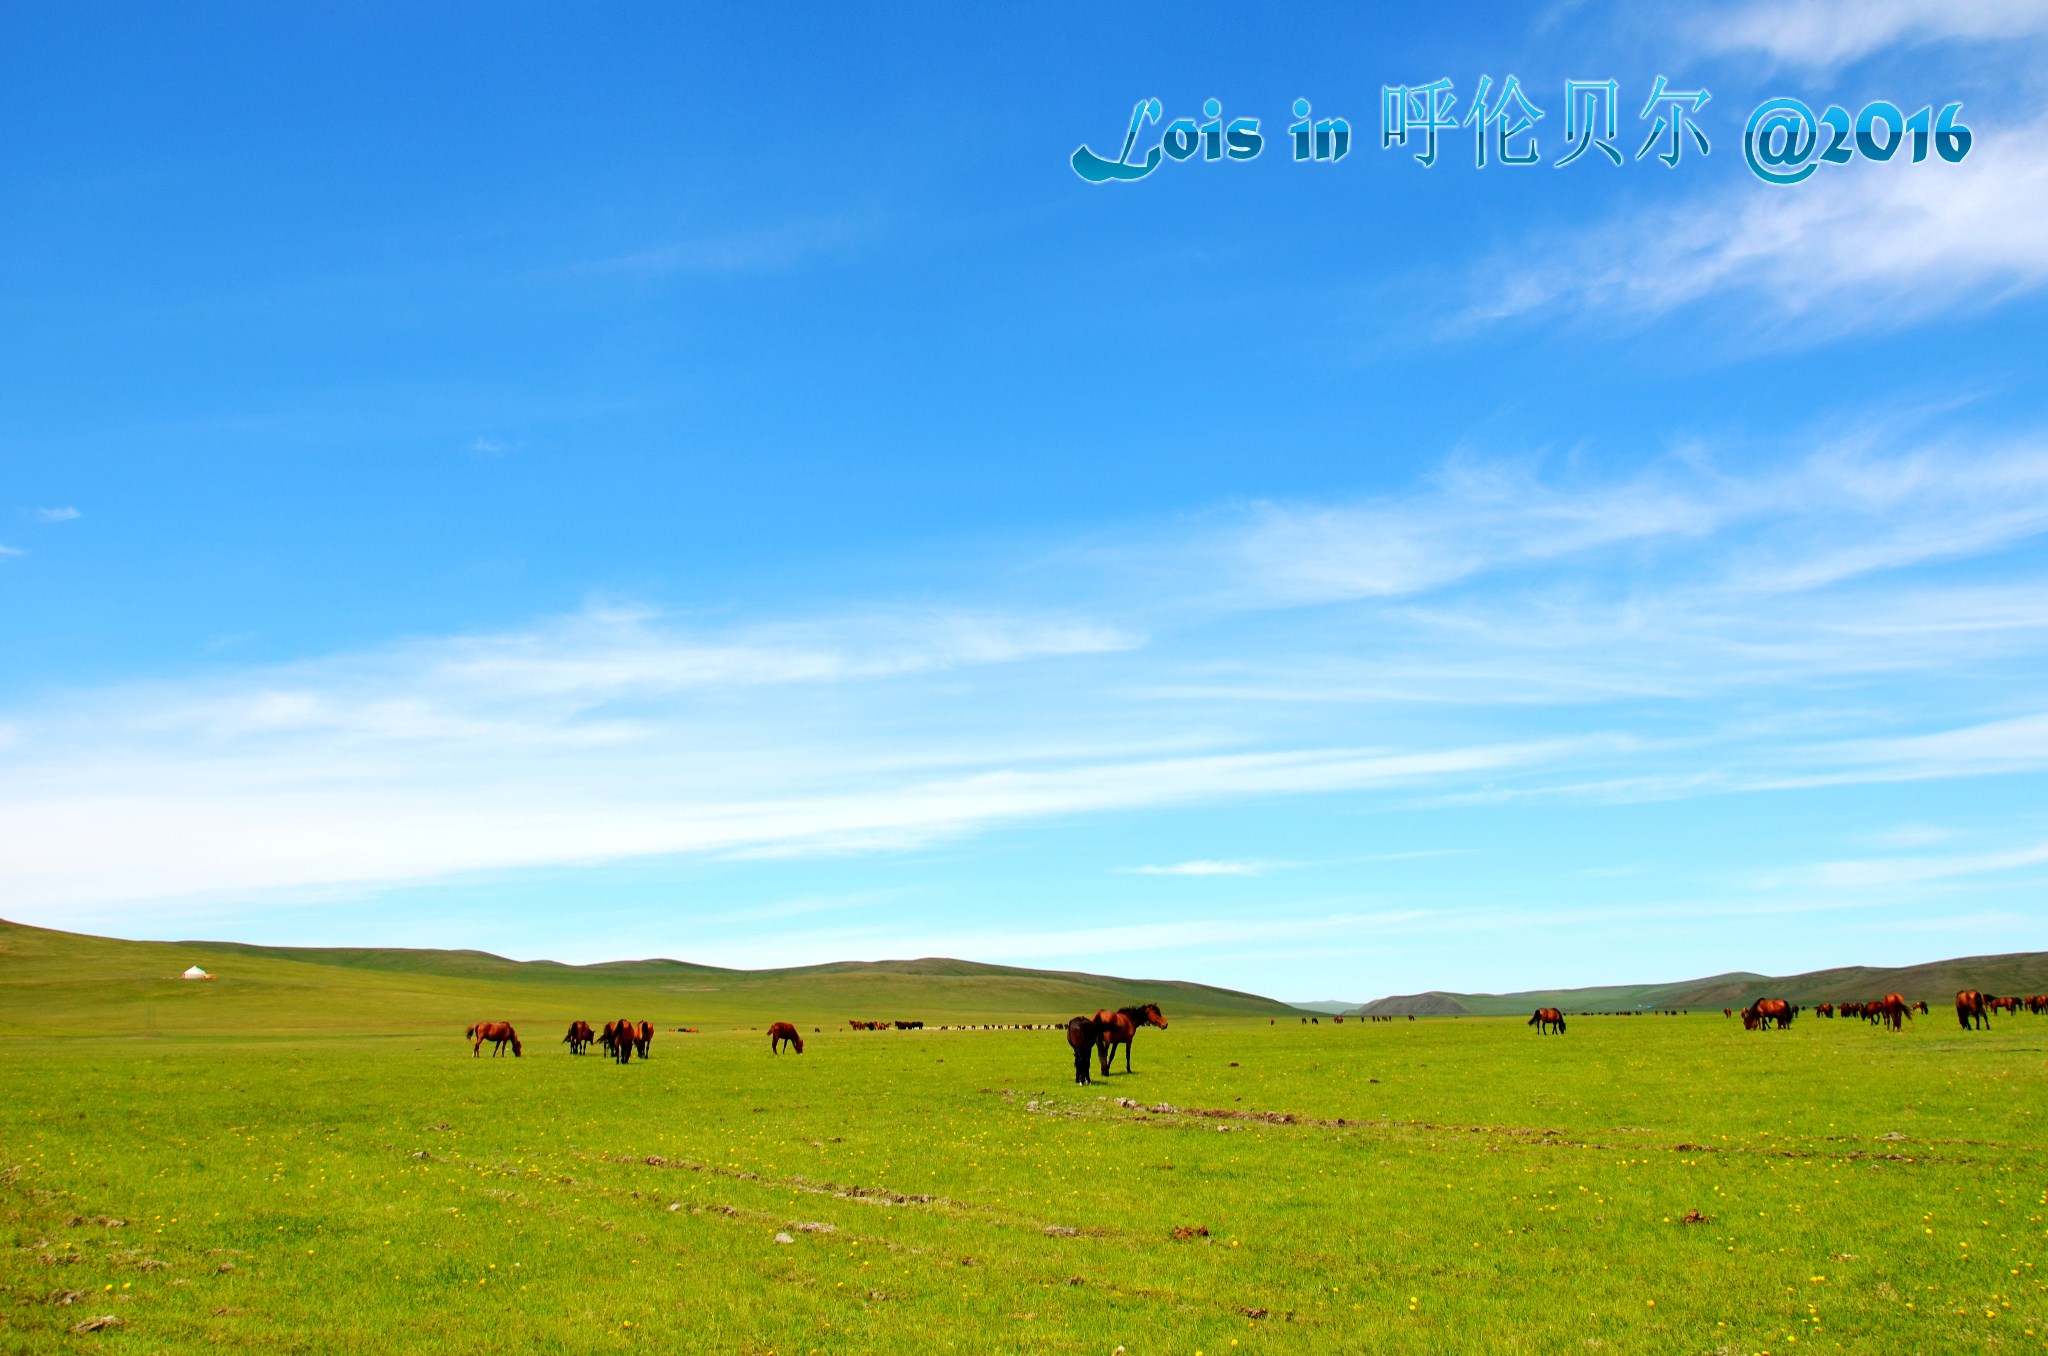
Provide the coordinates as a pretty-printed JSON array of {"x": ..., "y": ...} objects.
[{"x": 305, "y": 1156}]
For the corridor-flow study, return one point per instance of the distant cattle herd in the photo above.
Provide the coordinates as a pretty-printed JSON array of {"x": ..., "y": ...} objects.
[{"x": 1095, "y": 1038}]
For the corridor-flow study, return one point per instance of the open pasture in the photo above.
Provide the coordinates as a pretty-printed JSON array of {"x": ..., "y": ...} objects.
[{"x": 1454, "y": 1184}]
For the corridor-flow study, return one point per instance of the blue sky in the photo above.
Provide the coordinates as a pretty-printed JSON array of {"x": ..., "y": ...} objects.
[{"x": 605, "y": 484}]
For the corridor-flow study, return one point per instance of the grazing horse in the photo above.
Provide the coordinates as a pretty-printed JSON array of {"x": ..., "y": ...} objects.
[
  {"x": 499, "y": 1034},
  {"x": 1893, "y": 1012},
  {"x": 783, "y": 1031},
  {"x": 1117, "y": 1028},
  {"x": 1970, "y": 1011},
  {"x": 1083, "y": 1033},
  {"x": 642, "y": 1037},
  {"x": 620, "y": 1033},
  {"x": 1547, "y": 1020},
  {"x": 2009, "y": 1006},
  {"x": 1767, "y": 1012},
  {"x": 579, "y": 1037}
]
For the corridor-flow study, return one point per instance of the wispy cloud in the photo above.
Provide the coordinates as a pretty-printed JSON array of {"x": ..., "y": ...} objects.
[
  {"x": 1202, "y": 868},
  {"x": 1830, "y": 33},
  {"x": 53, "y": 515},
  {"x": 1861, "y": 245},
  {"x": 11, "y": 551},
  {"x": 1685, "y": 629}
]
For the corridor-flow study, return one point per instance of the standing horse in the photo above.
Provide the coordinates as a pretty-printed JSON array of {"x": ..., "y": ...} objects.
[
  {"x": 642, "y": 1037},
  {"x": 621, "y": 1033},
  {"x": 499, "y": 1034},
  {"x": 1546, "y": 1020},
  {"x": 1894, "y": 1012},
  {"x": 783, "y": 1031},
  {"x": 579, "y": 1037},
  {"x": 1970, "y": 1011},
  {"x": 1083, "y": 1033},
  {"x": 1117, "y": 1028}
]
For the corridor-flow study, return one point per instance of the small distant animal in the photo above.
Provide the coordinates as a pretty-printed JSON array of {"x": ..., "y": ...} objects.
[
  {"x": 2009, "y": 1006},
  {"x": 579, "y": 1038},
  {"x": 783, "y": 1031},
  {"x": 1727, "y": 1012},
  {"x": 1084, "y": 1034},
  {"x": 1117, "y": 1028},
  {"x": 1547, "y": 1020},
  {"x": 1970, "y": 1011},
  {"x": 499, "y": 1034},
  {"x": 910, "y": 1026},
  {"x": 1893, "y": 1012}
]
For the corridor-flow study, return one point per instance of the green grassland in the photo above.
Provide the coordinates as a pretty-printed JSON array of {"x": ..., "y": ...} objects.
[{"x": 303, "y": 1155}]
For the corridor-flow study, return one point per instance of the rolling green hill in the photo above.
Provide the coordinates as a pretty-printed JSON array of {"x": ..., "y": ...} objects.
[
  {"x": 2021, "y": 972},
  {"x": 60, "y": 982}
]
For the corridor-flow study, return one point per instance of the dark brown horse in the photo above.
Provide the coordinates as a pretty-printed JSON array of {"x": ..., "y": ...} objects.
[
  {"x": 783, "y": 1031},
  {"x": 620, "y": 1035},
  {"x": 579, "y": 1037},
  {"x": 1083, "y": 1033},
  {"x": 1970, "y": 1011},
  {"x": 1547, "y": 1020},
  {"x": 1767, "y": 1012},
  {"x": 1119, "y": 1027},
  {"x": 499, "y": 1034},
  {"x": 642, "y": 1037},
  {"x": 1893, "y": 1011}
]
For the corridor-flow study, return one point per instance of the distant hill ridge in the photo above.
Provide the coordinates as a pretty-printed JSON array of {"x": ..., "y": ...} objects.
[
  {"x": 47, "y": 977},
  {"x": 2019, "y": 972}
]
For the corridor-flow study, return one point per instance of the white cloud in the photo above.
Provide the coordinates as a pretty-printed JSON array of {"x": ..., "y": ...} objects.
[
  {"x": 53, "y": 515},
  {"x": 1202, "y": 868},
  {"x": 11, "y": 551},
  {"x": 1830, "y": 33},
  {"x": 1774, "y": 621},
  {"x": 1857, "y": 247}
]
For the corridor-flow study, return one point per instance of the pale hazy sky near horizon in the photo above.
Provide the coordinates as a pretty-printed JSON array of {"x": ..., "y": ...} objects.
[{"x": 605, "y": 484}]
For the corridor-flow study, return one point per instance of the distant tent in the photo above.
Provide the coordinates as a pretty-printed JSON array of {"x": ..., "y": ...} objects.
[{"x": 196, "y": 973}]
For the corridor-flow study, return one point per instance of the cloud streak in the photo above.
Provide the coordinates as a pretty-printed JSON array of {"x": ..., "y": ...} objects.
[{"x": 1861, "y": 246}]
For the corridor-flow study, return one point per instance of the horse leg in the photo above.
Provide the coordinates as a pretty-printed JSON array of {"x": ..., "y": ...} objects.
[{"x": 1127, "y": 1055}]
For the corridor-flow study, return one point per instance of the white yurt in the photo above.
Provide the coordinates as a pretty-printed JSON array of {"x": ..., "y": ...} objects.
[{"x": 196, "y": 973}]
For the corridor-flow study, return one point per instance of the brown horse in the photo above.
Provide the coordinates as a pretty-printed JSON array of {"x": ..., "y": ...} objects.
[
  {"x": 1119, "y": 1027},
  {"x": 1970, "y": 1010},
  {"x": 1083, "y": 1033},
  {"x": 2008, "y": 1006},
  {"x": 620, "y": 1034},
  {"x": 1767, "y": 1012},
  {"x": 1546, "y": 1020},
  {"x": 642, "y": 1037},
  {"x": 1894, "y": 1012},
  {"x": 579, "y": 1037},
  {"x": 783, "y": 1031},
  {"x": 499, "y": 1034}
]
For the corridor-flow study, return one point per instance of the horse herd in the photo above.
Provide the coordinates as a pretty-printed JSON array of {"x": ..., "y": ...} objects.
[
  {"x": 623, "y": 1039},
  {"x": 1973, "y": 1010}
]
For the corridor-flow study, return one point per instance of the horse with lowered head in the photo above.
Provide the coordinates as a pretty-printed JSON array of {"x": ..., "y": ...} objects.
[
  {"x": 1082, "y": 1034},
  {"x": 499, "y": 1034},
  {"x": 781, "y": 1032},
  {"x": 1547, "y": 1020},
  {"x": 1117, "y": 1028}
]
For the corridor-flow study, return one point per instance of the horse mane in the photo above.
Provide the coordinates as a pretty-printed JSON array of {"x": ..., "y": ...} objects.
[{"x": 1136, "y": 1012}]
